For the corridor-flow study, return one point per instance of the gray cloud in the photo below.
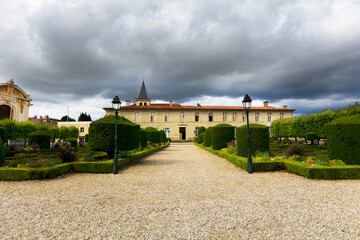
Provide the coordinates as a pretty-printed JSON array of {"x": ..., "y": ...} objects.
[{"x": 272, "y": 50}]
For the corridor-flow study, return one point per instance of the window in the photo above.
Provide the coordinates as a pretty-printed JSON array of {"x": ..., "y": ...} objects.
[
  {"x": 281, "y": 115},
  {"x": 256, "y": 117},
  {"x": 140, "y": 103},
  {"x": 196, "y": 117},
  {"x": 269, "y": 117},
  {"x": 167, "y": 132},
  {"x": 244, "y": 117},
  {"x": 224, "y": 117},
  {"x": 166, "y": 116},
  {"x": 182, "y": 116},
  {"x": 234, "y": 116},
  {"x": 196, "y": 131},
  {"x": 210, "y": 117},
  {"x": 145, "y": 104},
  {"x": 152, "y": 117},
  {"x": 136, "y": 117},
  {"x": 82, "y": 130}
]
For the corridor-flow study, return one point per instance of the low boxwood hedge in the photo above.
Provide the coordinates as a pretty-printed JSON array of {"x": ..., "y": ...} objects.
[
  {"x": 317, "y": 172},
  {"x": 22, "y": 174}
]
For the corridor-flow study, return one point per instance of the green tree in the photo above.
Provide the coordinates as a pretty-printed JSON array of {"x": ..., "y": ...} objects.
[
  {"x": 84, "y": 117},
  {"x": 65, "y": 119},
  {"x": 73, "y": 132},
  {"x": 11, "y": 129},
  {"x": 42, "y": 127},
  {"x": 54, "y": 133},
  {"x": 64, "y": 133},
  {"x": 24, "y": 129}
]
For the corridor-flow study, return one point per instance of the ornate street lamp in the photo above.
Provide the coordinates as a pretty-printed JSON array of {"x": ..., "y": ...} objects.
[
  {"x": 116, "y": 105},
  {"x": 247, "y": 105}
]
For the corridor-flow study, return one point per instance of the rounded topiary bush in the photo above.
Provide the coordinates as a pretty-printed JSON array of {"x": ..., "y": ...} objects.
[
  {"x": 259, "y": 139},
  {"x": 201, "y": 138},
  {"x": 40, "y": 138},
  {"x": 207, "y": 137},
  {"x": 162, "y": 136},
  {"x": 222, "y": 134},
  {"x": 2, "y": 153},
  {"x": 153, "y": 135},
  {"x": 102, "y": 135},
  {"x": 343, "y": 141},
  {"x": 200, "y": 131},
  {"x": 143, "y": 138},
  {"x": 72, "y": 141}
]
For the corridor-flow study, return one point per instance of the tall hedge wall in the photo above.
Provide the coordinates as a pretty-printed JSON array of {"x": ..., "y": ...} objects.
[
  {"x": 343, "y": 139},
  {"x": 221, "y": 134},
  {"x": 41, "y": 138},
  {"x": 154, "y": 135},
  {"x": 259, "y": 139},
  {"x": 207, "y": 137},
  {"x": 143, "y": 138},
  {"x": 102, "y": 135}
]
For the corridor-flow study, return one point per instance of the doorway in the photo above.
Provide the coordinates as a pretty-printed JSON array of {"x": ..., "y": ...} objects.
[
  {"x": 4, "y": 112},
  {"x": 182, "y": 131}
]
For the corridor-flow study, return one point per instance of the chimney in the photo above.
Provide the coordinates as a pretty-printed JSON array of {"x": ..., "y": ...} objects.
[
  {"x": 127, "y": 103},
  {"x": 266, "y": 103},
  {"x": 170, "y": 103},
  {"x": 285, "y": 106}
]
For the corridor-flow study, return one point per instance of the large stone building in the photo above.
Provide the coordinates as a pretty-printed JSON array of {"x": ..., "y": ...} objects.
[
  {"x": 14, "y": 102},
  {"x": 181, "y": 122}
]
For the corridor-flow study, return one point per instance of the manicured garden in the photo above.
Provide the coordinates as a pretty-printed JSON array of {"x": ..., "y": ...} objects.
[
  {"x": 338, "y": 159},
  {"x": 45, "y": 160}
]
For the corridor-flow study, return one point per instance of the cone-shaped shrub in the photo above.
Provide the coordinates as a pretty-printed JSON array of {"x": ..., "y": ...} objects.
[
  {"x": 222, "y": 134},
  {"x": 143, "y": 138},
  {"x": 41, "y": 138},
  {"x": 153, "y": 135},
  {"x": 259, "y": 139},
  {"x": 102, "y": 135},
  {"x": 343, "y": 139},
  {"x": 207, "y": 137}
]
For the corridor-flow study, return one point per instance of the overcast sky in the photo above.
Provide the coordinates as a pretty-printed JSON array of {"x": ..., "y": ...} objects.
[{"x": 82, "y": 53}]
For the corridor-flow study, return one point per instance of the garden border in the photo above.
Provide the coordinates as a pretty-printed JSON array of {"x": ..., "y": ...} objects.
[
  {"x": 317, "y": 172},
  {"x": 22, "y": 174}
]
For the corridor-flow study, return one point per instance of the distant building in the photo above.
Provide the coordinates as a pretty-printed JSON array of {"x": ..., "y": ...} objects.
[
  {"x": 14, "y": 102},
  {"x": 182, "y": 122},
  {"x": 82, "y": 126},
  {"x": 51, "y": 122}
]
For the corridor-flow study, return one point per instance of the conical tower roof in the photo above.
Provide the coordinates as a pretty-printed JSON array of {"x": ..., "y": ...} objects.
[{"x": 143, "y": 93}]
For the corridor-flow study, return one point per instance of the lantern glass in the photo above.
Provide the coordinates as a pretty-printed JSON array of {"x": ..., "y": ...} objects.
[{"x": 116, "y": 103}]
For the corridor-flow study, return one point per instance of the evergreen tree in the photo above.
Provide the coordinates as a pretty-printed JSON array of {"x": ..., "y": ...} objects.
[
  {"x": 84, "y": 117},
  {"x": 65, "y": 119}
]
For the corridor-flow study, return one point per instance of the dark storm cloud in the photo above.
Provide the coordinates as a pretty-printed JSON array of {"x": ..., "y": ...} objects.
[{"x": 270, "y": 49}]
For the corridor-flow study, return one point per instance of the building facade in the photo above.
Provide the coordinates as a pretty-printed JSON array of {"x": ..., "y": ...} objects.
[
  {"x": 82, "y": 126},
  {"x": 14, "y": 102},
  {"x": 182, "y": 122}
]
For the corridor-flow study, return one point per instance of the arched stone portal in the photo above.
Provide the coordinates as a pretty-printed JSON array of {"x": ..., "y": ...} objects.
[{"x": 4, "y": 112}]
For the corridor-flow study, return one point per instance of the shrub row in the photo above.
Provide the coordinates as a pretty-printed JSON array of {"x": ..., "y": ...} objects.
[
  {"x": 21, "y": 174},
  {"x": 259, "y": 139},
  {"x": 319, "y": 172}
]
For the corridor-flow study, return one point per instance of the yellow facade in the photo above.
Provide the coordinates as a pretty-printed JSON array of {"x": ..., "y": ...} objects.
[{"x": 82, "y": 126}]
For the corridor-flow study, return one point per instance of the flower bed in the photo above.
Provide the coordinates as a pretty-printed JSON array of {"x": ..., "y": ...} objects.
[
  {"x": 309, "y": 167},
  {"x": 31, "y": 173}
]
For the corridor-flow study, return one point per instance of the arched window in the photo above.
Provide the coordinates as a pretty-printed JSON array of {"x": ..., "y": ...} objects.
[
  {"x": 145, "y": 104},
  {"x": 140, "y": 103},
  {"x": 4, "y": 112}
]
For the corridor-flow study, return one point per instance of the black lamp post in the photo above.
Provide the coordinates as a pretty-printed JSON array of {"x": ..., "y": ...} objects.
[
  {"x": 247, "y": 105},
  {"x": 116, "y": 105}
]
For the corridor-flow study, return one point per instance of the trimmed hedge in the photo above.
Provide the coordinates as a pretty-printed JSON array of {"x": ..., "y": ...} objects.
[
  {"x": 201, "y": 138},
  {"x": 72, "y": 141},
  {"x": 143, "y": 138},
  {"x": 343, "y": 139},
  {"x": 311, "y": 136},
  {"x": 162, "y": 136},
  {"x": 87, "y": 138},
  {"x": 221, "y": 135},
  {"x": 200, "y": 131},
  {"x": 208, "y": 137},
  {"x": 153, "y": 135},
  {"x": 318, "y": 172},
  {"x": 2, "y": 132},
  {"x": 259, "y": 139},
  {"x": 22, "y": 174},
  {"x": 102, "y": 135},
  {"x": 40, "y": 138},
  {"x": 2, "y": 153}
]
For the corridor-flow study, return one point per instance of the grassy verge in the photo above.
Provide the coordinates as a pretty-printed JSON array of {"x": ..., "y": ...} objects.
[
  {"x": 317, "y": 172},
  {"x": 21, "y": 174}
]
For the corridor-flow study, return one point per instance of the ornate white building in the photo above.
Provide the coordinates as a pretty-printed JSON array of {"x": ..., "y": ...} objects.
[{"x": 14, "y": 102}]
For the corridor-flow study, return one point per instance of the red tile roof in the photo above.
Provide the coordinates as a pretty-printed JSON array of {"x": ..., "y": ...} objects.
[{"x": 178, "y": 106}]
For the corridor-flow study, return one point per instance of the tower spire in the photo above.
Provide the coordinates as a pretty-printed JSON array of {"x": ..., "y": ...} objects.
[{"x": 143, "y": 93}]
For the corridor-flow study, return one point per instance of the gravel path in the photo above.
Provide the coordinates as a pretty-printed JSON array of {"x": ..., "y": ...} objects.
[{"x": 180, "y": 192}]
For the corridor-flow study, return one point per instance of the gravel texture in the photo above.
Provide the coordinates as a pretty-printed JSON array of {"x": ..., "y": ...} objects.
[{"x": 181, "y": 192}]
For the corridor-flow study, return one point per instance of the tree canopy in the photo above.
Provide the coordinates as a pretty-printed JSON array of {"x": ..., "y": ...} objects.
[{"x": 84, "y": 117}]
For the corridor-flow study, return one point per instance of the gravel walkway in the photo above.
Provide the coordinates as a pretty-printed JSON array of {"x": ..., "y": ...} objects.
[{"x": 180, "y": 192}]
